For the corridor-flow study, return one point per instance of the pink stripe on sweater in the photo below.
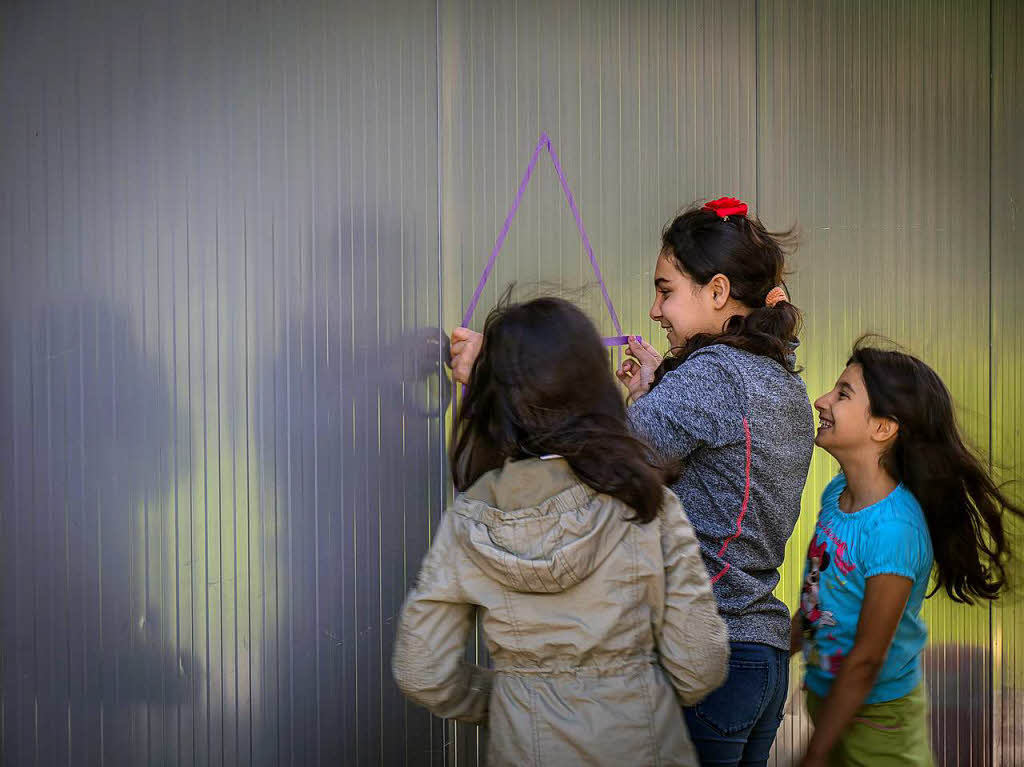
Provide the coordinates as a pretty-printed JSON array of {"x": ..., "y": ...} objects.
[
  {"x": 721, "y": 572},
  {"x": 743, "y": 508}
]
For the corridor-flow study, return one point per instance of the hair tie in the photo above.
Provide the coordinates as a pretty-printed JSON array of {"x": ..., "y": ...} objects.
[
  {"x": 775, "y": 295},
  {"x": 726, "y": 206}
]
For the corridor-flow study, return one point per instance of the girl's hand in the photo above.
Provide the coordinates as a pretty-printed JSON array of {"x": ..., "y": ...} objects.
[
  {"x": 466, "y": 345},
  {"x": 796, "y": 634},
  {"x": 637, "y": 375}
]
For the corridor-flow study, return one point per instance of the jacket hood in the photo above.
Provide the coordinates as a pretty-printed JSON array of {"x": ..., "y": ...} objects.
[{"x": 534, "y": 527}]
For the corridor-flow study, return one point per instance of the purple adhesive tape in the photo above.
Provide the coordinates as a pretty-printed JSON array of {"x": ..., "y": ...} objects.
[
  {"x": 618, "y": 340},
  {"x": 543, "y": 143}
]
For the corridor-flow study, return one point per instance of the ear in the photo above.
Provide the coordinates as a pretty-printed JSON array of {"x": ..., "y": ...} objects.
[
  {"x": 719, "y": 289},
  {"x": 885, "y": 430}
]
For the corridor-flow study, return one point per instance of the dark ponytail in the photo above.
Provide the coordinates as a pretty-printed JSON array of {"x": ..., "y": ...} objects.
[
  {"x": 703, "y": 244},
  {"x": 962, "y": 504}
]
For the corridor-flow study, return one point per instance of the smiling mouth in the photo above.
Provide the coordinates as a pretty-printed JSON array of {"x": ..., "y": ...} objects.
[{"x": 824, "y": 423}]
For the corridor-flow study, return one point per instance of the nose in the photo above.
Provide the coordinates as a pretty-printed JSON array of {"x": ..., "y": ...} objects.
[
  {"x": 821, "y": 404},
  {"x": 655, "y": 313}
]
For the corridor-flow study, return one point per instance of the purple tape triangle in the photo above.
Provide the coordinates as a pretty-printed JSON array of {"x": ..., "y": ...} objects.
[{"x": 545, "y": 143}]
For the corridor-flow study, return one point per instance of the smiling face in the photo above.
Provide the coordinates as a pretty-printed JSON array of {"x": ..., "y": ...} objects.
[
  {"x": 846, "y": 425},
  {"x": 681, "y": 306}
]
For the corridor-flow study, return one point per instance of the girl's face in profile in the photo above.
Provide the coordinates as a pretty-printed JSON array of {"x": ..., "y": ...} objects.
[
  {"x": 844, "y": 414},
  {"x": 681, "y": 306}
]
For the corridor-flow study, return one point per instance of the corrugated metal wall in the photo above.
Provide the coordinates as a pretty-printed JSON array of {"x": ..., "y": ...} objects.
[
  {"x": 874, "y": 136},
  {"x": 229, "y": 233},
  {"x": 221, "y": 392},
  {"x": 1007, "y": 406}
]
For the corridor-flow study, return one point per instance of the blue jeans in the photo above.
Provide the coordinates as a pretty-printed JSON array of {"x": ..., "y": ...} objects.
[{"x": 736, "y": 724}]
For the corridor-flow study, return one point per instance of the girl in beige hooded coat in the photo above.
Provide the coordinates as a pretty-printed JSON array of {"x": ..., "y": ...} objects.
[{"x": 593, "y": 596}]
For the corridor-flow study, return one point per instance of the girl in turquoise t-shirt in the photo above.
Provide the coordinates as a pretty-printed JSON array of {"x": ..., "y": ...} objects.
[{"x": 911, "y": 495}]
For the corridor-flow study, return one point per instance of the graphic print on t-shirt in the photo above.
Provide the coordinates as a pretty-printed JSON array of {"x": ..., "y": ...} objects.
[{"x": 813, "y": 617}]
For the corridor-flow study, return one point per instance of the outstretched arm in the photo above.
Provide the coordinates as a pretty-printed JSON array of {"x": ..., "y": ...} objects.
[{"x": 429, "y": 661}]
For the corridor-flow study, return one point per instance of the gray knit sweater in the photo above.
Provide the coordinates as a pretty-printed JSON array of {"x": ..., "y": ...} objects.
[{"x": 744, "y": 428}]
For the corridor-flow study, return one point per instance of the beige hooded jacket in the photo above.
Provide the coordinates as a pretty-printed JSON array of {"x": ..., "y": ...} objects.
[{"x": 599, "y": 628}]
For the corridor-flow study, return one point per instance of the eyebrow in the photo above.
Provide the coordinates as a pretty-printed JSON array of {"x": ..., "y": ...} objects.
[
  {"x": 846, "y": 386},
  {"x": 662, "y": 281}
]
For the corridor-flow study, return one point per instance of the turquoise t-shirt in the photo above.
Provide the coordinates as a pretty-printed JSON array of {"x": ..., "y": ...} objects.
[{"x": 888, "y": 537}]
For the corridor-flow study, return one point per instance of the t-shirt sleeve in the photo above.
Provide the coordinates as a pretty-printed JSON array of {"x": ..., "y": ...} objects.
[
  {"x": 896, "y": 548},
  {"x": 695, "y": 405},
  {"x": 832, "y": 490}
]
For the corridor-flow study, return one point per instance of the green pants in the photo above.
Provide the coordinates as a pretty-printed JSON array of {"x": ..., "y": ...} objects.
[{"x": 890, "y": 734}]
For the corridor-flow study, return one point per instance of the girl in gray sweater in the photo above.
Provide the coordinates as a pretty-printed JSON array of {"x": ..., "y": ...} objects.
[{"x": 729, "y": 404}]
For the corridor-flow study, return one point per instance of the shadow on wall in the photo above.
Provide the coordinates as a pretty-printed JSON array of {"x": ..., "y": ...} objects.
[
  {"x": 957, "y": 677},
  {"x": 88, "y": 425},
  {"x": 353, "y": 406}
]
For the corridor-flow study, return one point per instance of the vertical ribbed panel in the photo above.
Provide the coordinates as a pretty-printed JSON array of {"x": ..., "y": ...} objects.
[
  {"x": 1008, "y": 354},
  {"x": 220, "y": 401},
  {"x": 648, "y": 105},
  {"x": 874, "y": 138}
]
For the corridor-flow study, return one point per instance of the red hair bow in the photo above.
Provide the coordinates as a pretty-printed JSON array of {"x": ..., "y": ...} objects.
[{"x": 727, "y": 206}]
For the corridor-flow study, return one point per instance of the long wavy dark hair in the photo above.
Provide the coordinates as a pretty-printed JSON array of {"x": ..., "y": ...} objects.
[
  {"x": 962, "y": 504},
  {"x": 702, "y": 244},
  {"x": 542, "y": 385}
]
